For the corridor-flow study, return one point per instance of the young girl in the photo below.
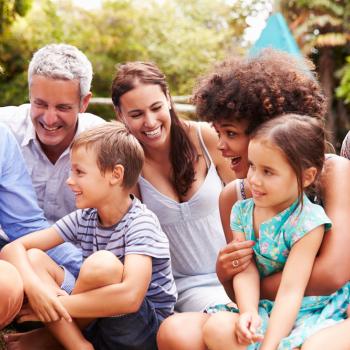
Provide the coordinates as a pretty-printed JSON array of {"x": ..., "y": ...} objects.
[{"x": 286, "y": 155}]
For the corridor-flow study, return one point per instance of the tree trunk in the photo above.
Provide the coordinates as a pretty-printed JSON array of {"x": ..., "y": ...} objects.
[{"x": 326, "y": 70}]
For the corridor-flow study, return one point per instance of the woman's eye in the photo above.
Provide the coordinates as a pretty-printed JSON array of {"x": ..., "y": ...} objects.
[
  {"x": 156, "y": 108},
  {"x": 231, "y": 134},
  {"x": 136, "y": 115}
]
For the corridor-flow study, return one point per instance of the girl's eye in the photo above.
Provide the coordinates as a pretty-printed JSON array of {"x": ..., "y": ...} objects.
[{"x": 267, "y": 172}]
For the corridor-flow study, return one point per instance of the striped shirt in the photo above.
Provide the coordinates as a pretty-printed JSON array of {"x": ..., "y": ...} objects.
[{"x": 138, "y": 232}]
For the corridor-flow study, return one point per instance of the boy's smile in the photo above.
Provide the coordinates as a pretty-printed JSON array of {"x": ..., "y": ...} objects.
[{"x": 90, "y": 186}]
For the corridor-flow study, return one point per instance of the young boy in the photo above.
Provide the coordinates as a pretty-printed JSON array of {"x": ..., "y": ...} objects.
[{"x": 125, "y": 287}]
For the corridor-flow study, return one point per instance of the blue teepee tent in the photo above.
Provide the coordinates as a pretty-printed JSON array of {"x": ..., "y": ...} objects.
[{"x": 277, "y": 35}]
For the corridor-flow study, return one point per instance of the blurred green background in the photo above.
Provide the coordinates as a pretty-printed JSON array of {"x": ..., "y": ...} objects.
[{"x": 183, "y": 37}]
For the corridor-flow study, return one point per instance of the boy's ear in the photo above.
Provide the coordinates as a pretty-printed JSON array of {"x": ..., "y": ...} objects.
[
  {"x": 309, "y": 176},
  {"x": 117, "y": 175}
]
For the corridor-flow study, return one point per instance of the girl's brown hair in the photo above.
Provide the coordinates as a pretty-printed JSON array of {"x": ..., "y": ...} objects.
[
  {"x": 182, "y": 151},
  {"x": 301, "y": 139}
]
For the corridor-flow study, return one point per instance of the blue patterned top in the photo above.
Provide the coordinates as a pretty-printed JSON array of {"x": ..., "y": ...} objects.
[{"x": 278, "y": 234}]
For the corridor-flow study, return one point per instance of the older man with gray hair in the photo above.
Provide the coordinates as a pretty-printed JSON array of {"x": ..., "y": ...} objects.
[{"x": 59, "y": 79}]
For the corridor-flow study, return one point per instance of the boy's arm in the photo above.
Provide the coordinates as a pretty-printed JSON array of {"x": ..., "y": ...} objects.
[
  {"x": 295, "y": 277},
  {"x": 116, "y": 299},
  {"x": 42, "y": 298}
]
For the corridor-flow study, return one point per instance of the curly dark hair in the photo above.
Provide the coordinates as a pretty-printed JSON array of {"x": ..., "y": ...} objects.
[{"x": 258, "y": 89}]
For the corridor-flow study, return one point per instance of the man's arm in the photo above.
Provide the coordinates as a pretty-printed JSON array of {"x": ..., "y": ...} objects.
[{"x": 19, "y": 211}]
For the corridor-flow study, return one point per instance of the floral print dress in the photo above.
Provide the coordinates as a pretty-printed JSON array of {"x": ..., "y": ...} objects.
[{"x": 276, "y": 238}]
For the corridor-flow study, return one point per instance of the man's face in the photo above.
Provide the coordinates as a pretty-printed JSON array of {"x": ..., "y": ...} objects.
[{"x": 55, "y": 105}]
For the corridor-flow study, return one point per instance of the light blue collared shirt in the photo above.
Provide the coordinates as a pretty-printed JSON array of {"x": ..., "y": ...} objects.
[{"x": 19, "y": 211}]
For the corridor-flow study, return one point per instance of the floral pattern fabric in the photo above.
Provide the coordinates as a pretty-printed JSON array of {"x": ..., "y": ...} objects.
[{"x": 276, "y": 238}]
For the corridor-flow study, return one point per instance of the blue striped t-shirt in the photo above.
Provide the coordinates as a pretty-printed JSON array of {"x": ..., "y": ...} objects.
[{"x": 138, "y": 232}]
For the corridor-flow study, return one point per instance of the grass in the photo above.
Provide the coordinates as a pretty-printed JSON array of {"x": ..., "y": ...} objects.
[{"x": 2, "y": 332}]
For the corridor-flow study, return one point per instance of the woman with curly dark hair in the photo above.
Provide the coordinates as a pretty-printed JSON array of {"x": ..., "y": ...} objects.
[
  {"x": 238, "y": 96},
  {"x": 181, "y": 180}
]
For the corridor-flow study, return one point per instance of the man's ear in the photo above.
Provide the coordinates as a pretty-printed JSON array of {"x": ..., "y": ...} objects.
[
  {"x": 85, "y": 102},
  {"x": 117, "y": 175},
  {"x": 309, "y": 176}
]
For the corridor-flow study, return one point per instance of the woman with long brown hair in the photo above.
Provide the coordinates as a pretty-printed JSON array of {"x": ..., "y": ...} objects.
[{"x": 181, "y": 180}]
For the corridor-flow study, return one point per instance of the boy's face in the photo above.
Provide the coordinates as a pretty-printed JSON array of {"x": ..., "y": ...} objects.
[{"x": 90, "y": 186}]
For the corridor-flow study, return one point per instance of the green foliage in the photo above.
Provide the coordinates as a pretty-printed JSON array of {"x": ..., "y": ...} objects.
[
  {"x": 183, "y": 37},
  {"x": 343, "y": 90},
  {"x": 10, "y": 9}
]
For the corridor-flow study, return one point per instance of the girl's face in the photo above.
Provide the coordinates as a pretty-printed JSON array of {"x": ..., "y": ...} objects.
[
  {"x": 233, "y": 143},
  {"x": 271, "y": 178},
  {"x": 146, "y": 112}
]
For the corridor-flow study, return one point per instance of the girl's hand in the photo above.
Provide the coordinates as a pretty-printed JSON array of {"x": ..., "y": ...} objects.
[
  {"x": 247, "y": 327},
  {"x": 44, "y": 302},
  {"x": 233, "y": 258}
]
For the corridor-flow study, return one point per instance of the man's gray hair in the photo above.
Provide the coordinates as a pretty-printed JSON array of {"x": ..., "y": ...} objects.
[{"x": 62, "y": 61}]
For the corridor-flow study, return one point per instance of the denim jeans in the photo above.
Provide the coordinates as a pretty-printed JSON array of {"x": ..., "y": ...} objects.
[{"x": 66, "y": 254}]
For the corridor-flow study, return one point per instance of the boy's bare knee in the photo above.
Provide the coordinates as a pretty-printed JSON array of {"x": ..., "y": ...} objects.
[
  {"x": 10, "y": 279},
  {"x": 36, "y": 256},
  {"x": 102, "y": 267}
]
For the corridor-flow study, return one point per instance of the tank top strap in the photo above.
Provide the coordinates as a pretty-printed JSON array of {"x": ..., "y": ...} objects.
[
  {"x": 240, "y": 190},
  {"x": 207, "y": 157}
]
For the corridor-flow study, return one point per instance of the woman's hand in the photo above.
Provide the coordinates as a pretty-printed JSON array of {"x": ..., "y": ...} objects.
[{"x": 233, "y": 258}]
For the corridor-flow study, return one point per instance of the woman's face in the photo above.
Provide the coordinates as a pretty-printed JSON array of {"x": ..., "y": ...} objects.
[
  {"x": 233, "y": 143},
  {"x": 146, "y": 112}
]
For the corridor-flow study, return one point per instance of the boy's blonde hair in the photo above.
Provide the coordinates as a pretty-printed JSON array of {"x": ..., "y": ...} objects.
[{"x": 114, "y": 144}]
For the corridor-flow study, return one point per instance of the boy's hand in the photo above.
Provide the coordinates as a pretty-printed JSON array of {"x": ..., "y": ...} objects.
[
  {"x": 247, "y": 327},
  {"x": 44, "y": 302}
]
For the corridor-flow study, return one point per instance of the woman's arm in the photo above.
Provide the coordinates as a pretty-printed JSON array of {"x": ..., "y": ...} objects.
[
  {"x": 236, "y": 255},
  {"x": 290, "y": 293},
  {"x": 222, "y": 164},
  {"x": 332, "y": 265}
]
